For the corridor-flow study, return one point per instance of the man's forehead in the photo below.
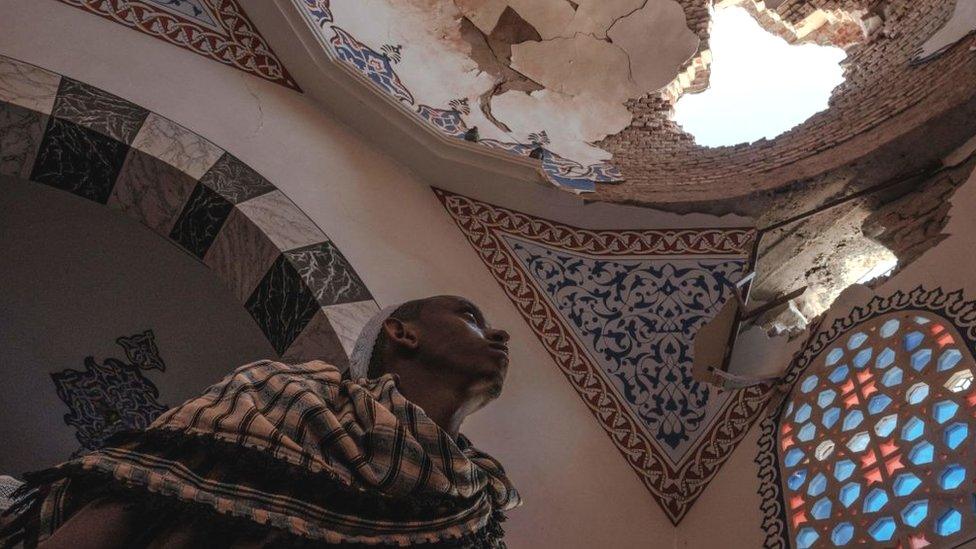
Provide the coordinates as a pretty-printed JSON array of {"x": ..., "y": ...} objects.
[{"x": 451, "y": 302}]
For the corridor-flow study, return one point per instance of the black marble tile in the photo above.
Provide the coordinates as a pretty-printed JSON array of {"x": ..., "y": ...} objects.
[
  {"x": 282, "y": 304},
  {"x": 329, "y": 275},
  {"x": 98, "y": 110},
  {"x": 235, "y": 180},
  {"x": 21, "y": 131},
  {"x": 78, "y": 160},
  {"x": 201, "y": 219}
]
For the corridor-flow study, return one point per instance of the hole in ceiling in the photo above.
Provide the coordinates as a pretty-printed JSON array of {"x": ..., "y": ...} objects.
[{"x": 760, "y": 86}]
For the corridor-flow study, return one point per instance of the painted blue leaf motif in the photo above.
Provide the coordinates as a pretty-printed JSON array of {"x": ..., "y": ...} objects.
[{"x": 639, "y": 318}]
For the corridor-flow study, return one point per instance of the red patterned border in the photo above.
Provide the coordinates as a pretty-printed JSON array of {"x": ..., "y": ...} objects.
[
  {"x": 240, "y": 45},
  {"x": 675, "y": 490},
  {"x": 605, "y": 243}
]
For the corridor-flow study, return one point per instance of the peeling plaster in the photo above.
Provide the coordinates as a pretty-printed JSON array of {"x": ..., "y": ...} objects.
[
  {"x": 962, "y": 23},
  {"x": 531, "y": 66}
]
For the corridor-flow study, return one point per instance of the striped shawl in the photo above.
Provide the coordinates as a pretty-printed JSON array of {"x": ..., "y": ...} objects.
[{"x": 295, "y": 448}]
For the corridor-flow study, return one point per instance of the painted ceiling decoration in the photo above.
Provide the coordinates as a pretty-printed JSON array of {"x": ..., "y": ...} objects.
[
  {"x": 299, "y": 288},
  {"x": 540, "y": 79},
  {"x": 618, "y": 310},
  {"x": 112, "y": 396},
  {"x": 878, "y": 422},
  {"x": 216, "y": 29}
]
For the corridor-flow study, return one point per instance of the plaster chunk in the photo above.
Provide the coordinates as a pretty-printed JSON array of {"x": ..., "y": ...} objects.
[
  {"x": 657, "y": 42},
  {"x": 581, "y": 65},
  {"x": 569, "y": 135}
]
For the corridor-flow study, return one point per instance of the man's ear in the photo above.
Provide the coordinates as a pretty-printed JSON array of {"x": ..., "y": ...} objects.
[{"x": 401, "y": 333}]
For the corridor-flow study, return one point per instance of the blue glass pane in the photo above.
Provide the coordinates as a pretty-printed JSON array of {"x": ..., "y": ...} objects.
[
  {"x": 843, "y": 469},
  {"x": 951, "y": 477},
  {"x": 875, "y": 500},
  {"x": 806, "y": 432},
  {"x": 803, "y": 413},
  {"x": 921, "y": 359},
  {"x": 922, "y": 453},
  {"x": 885, "y": 358},
  {"x": 913, "y": 340},
  {"x": 878, "y": 403},
  {"x": 944, "y": 410},
  {"x": 793, "y": 456},
  {"x": 955, "y": 434},
  {"x": 892, "y": 377},
  {"x": 886, "y": 425},
  {"x": 914, "y": 513},
  {"x": 853, "y": 419},
  {"x": 826, "y": 397},
  {"x": 817, "y": 485},
  {"x": 821, "y": 509},
  {"x": 921, "y": 320},
  {"x": 917, "y": 393},
  {"x": 882, "y": 529},
  {"x": 839, "y": 374},
  {"x": 862, "y": 357},
  {"x": 809, "y": 384},
  {"x": 913, "y": 429},
  {"x": 796, "y": 479},
  {"x": 833, "y": 356},
  {"x": 806, "y": 538},
  {"x": 858, "y": 442},
  {"x": 842, "y": 533},
  {"x": 856, "y": 340},
  {"x": 889, "y": 328},
  {"x": 949, "y": 523},
  {"x": 905, "y": 484},
  {"x": 849, "y": 493},
  {"x": 830, "y": 417},
  {"x": 949, "y": 359}
]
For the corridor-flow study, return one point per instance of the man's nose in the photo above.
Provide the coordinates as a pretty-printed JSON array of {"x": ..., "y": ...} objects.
[{"x": 498, "y": 335}]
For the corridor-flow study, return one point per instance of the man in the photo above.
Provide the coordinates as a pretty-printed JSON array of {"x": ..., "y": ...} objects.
[{"x": 280, "y": 455}]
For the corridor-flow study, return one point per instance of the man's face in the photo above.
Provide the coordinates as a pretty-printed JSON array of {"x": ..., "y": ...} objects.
[{"x": 454, "y": 336}]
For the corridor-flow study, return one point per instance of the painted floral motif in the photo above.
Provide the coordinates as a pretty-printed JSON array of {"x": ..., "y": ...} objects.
[
  {"x": 448, "y": 121},
  {"x": 113, "y": 396},
  {"x": 377, "y": 67},
  {"x": 232, "y": 39},
  {"x": 616, "y": 310},
  {"x": 639, "y": 319}
]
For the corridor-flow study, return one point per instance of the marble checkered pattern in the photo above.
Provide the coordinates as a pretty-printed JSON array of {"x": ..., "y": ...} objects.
[{"x": 298, "y": 287}]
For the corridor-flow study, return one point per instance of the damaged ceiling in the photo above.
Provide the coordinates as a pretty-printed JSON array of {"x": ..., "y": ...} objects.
[{"x": 553, "y": 72}]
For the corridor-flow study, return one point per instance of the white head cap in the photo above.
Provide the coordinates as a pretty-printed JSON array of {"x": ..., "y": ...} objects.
[{"x": 362, "y": 352}]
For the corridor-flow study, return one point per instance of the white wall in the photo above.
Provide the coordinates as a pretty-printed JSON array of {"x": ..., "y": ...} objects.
[
  {"x": 578, "y": 490},
  {"x": 77, "y": 275}
]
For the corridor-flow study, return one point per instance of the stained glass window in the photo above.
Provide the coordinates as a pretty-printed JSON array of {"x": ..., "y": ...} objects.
[{"x": 875, "y": 440}]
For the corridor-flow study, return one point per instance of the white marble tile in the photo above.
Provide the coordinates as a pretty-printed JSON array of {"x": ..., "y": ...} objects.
[
  {"x": 151, "y": 191},
  {"x": 286, "y": 225},
  {"x": 28, "y": 86},
  {"x": 177, "y": 146},
  {"x": 240, "y": 255},
  {"x": 348, "y": 320}
]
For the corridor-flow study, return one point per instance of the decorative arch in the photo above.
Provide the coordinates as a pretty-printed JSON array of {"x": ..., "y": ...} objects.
[
  {"x": 299, "y": 288},
  {"x": 874, "y": 443}
]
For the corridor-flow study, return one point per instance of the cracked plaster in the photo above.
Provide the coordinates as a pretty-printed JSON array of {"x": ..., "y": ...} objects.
[{"x": 553, "y": 66}]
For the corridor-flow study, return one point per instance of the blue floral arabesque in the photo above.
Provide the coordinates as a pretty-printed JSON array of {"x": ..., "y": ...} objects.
[
  {"x": 640, "y": 317},
  {"x": 114, "y": 396}
]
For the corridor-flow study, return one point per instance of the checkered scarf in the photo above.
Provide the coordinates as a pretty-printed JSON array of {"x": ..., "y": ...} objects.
[{"x": 341, "y": 461}]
